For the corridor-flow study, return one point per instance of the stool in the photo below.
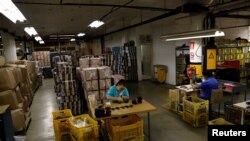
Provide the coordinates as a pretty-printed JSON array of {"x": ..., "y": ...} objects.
[{"x": 216, "y": 98}]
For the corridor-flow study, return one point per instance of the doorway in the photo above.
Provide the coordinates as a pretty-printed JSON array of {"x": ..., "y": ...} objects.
[{"x": 146, "y": 61}]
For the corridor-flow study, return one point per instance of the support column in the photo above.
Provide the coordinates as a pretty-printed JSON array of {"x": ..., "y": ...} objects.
[{"x": 9, "y": 46}]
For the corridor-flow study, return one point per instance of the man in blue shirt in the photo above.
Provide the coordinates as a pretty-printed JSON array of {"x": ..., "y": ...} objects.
[
  {"x": 118, "y": 92},
  {"x": 207, "y": 85}
]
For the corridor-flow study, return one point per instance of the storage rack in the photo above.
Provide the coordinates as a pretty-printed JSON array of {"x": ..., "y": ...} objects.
[
  {"x": 234, "y": 52},
  {"x": 180, "y": 62}
]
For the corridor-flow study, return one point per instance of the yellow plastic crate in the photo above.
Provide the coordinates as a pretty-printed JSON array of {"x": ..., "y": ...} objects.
[
  {"x": 63, "y": 137},
  {"x": 61, "y": 124},
  {"x": 126, "y": 128},
  {"x": 87, "y": 133},
  {"x": 219, "y": 121},
  {"x": 194, "y": 120},
  {"x": 195, "y": 105},
  {"x": 173, "y": 94},
  {"x": 61, "y": 114}
]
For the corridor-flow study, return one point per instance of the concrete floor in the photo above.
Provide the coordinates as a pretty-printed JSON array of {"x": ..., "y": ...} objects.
[{"x": 165, "y": 125}]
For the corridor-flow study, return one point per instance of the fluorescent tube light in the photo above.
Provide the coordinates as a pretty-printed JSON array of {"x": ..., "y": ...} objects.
[
  {"x": 41, "y": 42},
  {"x": 194, "y": 35},
  {"x": 62, "y": 35},
  {"x": 30, "y": 30},
  {"x": 96, "y": 24},
  {"x": 73, "y": 39},
  {"x": 38, "y": 38},
  {"x": 9, "y": 10},
  {"x": 80, "y": 34}
]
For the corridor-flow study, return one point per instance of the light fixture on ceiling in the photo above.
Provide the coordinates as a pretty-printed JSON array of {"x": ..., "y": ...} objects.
[
  {"x": 65, "y": 35},
  {"x": 72, "y": 39},
  {"x": 31, "y": 31},
  {"x": 9, "y": 10},
  {"x": 41, "y": 42},
  {"x": 59, "y": 38},
  {"x": 38, "y": 38},
  {"x": 81, "y": 34},
  {"x": 194, "y": 35},
  {"x": 96, "y": 24}
]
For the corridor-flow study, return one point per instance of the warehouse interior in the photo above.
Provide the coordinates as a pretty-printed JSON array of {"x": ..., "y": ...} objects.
[{"x": 57, "y": 68}]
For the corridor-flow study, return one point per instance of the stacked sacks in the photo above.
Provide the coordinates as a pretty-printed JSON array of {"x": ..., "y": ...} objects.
[
  {"x": 96, "y": 81},
  {"x": 10, "y": 94},
  {"x": 87, "y": 62},
  {"x": 90, "y": 82},
  {"x": 66, "y": 88},
  {"x": 42, "y": 57},
  {"x": 62, "y": 58},
  {"x": 104, "y": 73}
]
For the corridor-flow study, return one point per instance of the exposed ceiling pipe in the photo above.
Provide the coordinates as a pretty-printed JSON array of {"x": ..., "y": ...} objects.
[
  {"x": 234, "y": 16},
  {"x": 235, "y": 4},
  {"x": 145, "y": 22},
  {"x": 115, "y": 9},
  {"x": 97, "y": 5}
]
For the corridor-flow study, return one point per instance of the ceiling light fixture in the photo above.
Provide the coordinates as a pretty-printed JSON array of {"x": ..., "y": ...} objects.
[
  {"x": 41, "y": 42},
  {"x": 62, "y": 35},
  {"x": 9, "y": 10},
  {"x": 194, "y": 35},
  {"x": 96, "y": 24},
  {"x": 38, "y": 38},
  {"x": 81, "y": 34},
  {"x": 30, "y": 30},
  {"x": 73, "y": 39}
]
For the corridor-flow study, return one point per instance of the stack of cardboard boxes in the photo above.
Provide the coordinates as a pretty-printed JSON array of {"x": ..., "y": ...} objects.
[
  {"x": 15, "y": 92},
  {"x": 42, "y": 57}
]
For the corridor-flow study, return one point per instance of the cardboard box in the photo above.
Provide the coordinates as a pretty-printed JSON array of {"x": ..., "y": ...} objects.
[
  {"x": 9, "y": 98},
  {"x": 24, "y": 72},
  {"x": 19, "y": 94},
  {"x": 18, "y": 120},
  {"x": 25, "y": 92},
  {"x": 8, "y": 80}
]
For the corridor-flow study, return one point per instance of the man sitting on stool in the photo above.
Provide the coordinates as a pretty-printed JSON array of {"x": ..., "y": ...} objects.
[{"x": 207, "y": 85}]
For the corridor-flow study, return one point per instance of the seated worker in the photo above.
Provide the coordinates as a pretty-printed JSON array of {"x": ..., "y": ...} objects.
[
  {"x": 118, "y": 92},
  {"x": 207, "y": 85}
]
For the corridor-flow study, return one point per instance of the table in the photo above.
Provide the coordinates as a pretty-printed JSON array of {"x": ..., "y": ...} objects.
[
  {"x": 144, "y": 107},
  {"x": 237, "y": 87},
  {"x": 188, "y": 90},
  {"x": 243, "y": 106}
]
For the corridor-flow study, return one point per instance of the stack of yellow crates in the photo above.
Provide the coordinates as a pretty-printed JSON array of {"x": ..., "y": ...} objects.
[
  {"x": 61, "y": 124},
  {"x": 195, "y": 111}
]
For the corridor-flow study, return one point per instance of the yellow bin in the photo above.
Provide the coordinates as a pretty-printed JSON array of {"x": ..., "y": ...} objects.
[{"x": 160, "y": 73}]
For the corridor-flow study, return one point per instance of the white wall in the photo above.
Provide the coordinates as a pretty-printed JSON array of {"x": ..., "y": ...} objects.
[{"x": 164, "y": 52}]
